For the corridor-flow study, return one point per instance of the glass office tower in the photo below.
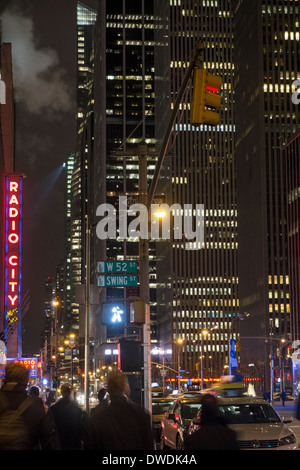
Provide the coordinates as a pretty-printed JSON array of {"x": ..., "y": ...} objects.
[
  {"x": 86, "y": 18},
  {"x": 204, "y": 281},
  {"x": 292, "y": 156},
  {"x": 266, "y": 62},
  {"x": 124, "y": 117}
]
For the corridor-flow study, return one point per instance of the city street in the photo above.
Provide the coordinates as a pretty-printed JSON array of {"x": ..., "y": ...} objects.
[{"x": 150, "y": 213}]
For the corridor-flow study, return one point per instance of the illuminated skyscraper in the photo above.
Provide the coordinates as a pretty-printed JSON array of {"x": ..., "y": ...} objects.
[
  {"x": 266, "y": 64},
  {"x": 292, "y": 156},
  {"x": 86, "y": 18},
  {"x": 69, "y": 167},
  {"x": 124, "y": 101},
  {"x": 204, "y": 280}
]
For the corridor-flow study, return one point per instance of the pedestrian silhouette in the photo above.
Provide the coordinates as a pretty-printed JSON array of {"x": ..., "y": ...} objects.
[
  {"x": 70, "y": 421},
  {"x": 102, "y": 399},
  {"x": 24, "y": 423},
  {"x": 283, "y": 397},
  {"x": 213, "y": 433},
  {"x": 34, "y": 391},
  {"x": 123, "y": 424}
]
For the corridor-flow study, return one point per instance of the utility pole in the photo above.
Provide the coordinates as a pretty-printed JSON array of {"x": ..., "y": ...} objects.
[
  {"x": 87, "y": 319},
  {"x": 144, "y": 276}
]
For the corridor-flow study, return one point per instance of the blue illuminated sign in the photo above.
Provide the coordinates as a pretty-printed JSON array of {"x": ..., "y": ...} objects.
[{"x": 113, "y": 314}]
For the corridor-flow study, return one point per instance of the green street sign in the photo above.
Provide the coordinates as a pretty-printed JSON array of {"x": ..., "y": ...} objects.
[
  {"x": 117, "y": 267},
  {"x": 117, "y": 281}
]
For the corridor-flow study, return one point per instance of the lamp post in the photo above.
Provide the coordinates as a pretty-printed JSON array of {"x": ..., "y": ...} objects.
[
  {"x": 72, "y": 345},
  {"x": 54, "y": 334},
  {"x": 203, "y": 333},
  {"x": 87, "y": 317},
  {"x": 180, "y": 342}
]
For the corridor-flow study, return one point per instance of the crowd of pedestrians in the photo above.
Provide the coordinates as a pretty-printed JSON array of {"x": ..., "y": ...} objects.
[
  {"x": 29, "y": 423},
  {"x": 116, "y": 423}
]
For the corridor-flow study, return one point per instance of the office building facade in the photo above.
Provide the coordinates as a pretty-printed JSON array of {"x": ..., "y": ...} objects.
[
  {"x": 204, "y": 278},
  {"x": 266, "y": 64},
  {"x": 292, "y": 157},
  {"x": 124, "y": 117}
]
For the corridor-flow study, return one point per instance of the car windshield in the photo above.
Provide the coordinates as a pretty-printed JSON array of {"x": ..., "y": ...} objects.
[
  {"x": 248, "y": 413},
  {"x": 189, "y": 410},
  {"x": 161, "y": 407}
]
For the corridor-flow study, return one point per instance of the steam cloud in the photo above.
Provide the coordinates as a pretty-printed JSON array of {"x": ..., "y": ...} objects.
[{"x": 38, "y": 77}]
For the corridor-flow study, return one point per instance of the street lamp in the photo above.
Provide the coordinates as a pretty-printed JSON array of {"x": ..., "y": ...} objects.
[
  {"x": 203, "y": 333},
  {"x": 71, "y": 343},
  {"x": 180, "y": 342}
]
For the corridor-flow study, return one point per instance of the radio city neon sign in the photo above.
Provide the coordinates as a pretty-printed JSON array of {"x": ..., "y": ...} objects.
[{"x": 13, "y": 247}]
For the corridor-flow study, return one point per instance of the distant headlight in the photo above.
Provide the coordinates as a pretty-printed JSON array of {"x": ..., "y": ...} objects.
[{"x": 290, "y": 439}]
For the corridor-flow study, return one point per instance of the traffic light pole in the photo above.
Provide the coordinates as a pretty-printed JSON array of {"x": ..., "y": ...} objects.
[
  {"x": 144, "y": 278},
  {"x": 146, "y": 199}
]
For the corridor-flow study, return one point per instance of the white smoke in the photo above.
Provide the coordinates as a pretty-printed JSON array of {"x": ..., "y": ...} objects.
[{"x": 39, "y": 79}]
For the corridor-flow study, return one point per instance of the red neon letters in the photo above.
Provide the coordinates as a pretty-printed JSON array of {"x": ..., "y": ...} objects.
[{"x": 13, "y": 198}]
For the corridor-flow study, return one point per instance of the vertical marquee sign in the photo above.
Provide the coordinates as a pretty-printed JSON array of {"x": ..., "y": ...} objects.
[{"x": 13, "y": 263}]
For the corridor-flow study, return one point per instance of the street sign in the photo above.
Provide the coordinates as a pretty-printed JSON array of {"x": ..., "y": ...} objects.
[
  {"x": 117, "y": 280},
  {"x": 117, "y": 266}
]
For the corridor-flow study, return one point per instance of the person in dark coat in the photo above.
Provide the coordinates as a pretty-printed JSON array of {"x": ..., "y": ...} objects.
[
  {"x": 69, "y": 419},
  {"x": 283, "y": 397},
  {"x": 123, "y": 425},
  {"x": 102, "y": 400},
  {"x": 34, "y": 391},
  {"x": 39, "y": 425},
  {"x": 213, "y": 433}
]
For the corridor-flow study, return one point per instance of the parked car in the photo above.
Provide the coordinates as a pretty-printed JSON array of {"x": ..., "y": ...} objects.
[
  {"x": 160, "y": 406},
  {"x": 175, "y": 422},
  {"x": 256, "y": 422}
]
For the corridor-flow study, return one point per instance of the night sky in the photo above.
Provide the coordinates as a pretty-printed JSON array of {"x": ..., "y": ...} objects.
[{"x": 43, "y": 36}]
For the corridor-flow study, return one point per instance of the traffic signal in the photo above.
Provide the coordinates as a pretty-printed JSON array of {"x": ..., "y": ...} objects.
[
  {"x": 130, "y": 355},
  {"x": 113, "y": 314},
  {"x": 206, "y": 91}
]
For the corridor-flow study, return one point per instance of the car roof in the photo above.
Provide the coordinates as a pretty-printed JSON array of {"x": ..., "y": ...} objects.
[
  {"x": 242, "y": 400},
  {"x": 192, "y": 399},
  {"x": 162, "y": 399}
]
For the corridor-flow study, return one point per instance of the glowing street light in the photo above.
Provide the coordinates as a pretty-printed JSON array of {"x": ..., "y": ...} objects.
[{"x": 180, "y": 342}]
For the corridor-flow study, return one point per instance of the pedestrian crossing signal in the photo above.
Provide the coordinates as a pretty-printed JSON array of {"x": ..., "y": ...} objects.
[{"x": 206, "y": 98}]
